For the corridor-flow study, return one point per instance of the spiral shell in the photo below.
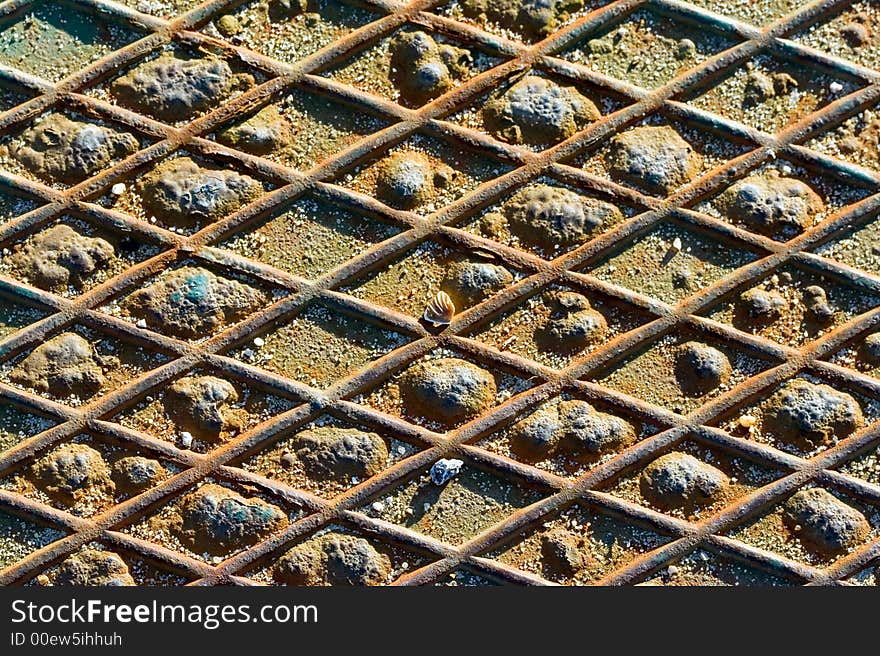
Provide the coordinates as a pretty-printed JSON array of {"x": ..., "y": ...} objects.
[{"x": 440, "y": 310}]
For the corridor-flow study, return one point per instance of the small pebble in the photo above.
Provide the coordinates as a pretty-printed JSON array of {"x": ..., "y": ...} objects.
[
  {"x": 228, "y": 25},
  {"x": 378, "y": 506},
  {"x": 141, "y": 323},
  {"x": 186, "y": 439},
  {"x": 835, "y": 87},
  {"x": 686, "y": 49},
  {"x": 444, "y": 470},
  {"x": 259, "y": 342},
  {"x": 118, "y": 189}
]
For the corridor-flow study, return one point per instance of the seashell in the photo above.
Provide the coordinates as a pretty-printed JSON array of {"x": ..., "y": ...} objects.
[{"x": 440, "y": 310}]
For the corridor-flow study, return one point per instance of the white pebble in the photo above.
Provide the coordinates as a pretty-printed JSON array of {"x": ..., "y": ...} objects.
[
  {"x": 378, "y": 506},
  {"x": 444, "y": 470},
  {"x": 835, "y": 87},
  {"x": 186, "y": 439},
  {"x": 259, "y": 342},
  {"x": 118, "y": 189},
  {"x": 141, "y": 323}
]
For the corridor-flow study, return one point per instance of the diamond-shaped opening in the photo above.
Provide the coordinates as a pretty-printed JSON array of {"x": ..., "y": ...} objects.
[
  {"x": 423, "y": 174},
  {"x": 860, "y": 353},
  {"x": 202, "y": 409},
  {"x": 162, "y": 8},
  {"x": 12, "y": 93},
  {"x": 14, "y": 203},
  {"x": 559, "y": 324},
  {"x": 388, "y": 69},
  {"x": 857, "y": 245},
  {"x": 338, "y": 555},
  {"x": 321, "y": 344},
  {"x": 408, "y": 283},
  {"x": 724, "y": 476},
  {"x": 851, "y": 34},
  {"x": 579, "y": 545},
  {"x": 492, "y": 113},
  {"x": 799, "y": 197},
  {"x": 444, "y": 389},
  {"x": 287, "y": 33},
  {"x": 464, "y": 506},
  {"x": 800, "y": 528},
  {"x": 804, "y": 415},
  {"x": 53, "y": 39},
  {"x": 88, "y": 474},
  {"x": 865, "y": 466},
  {"x": 869, "y": 576},
  {"x": 162, "y": 84},
  {"x": 703, "y": 568},
  {"x": 98, "y": 564},
  {"x": 661, "y": 154},
  {"x": 62, "y": 148},
  {"x": 649, "y": 48},
  {"x": 299, "y": 128},
  {"x": 185, "y": 191},
  {"x": 71, "y": 255},
  {"x": 687, "y": 369},
  {"x": 326, "y": 456},
  {"x": 756, "y": 12},
  {"x": 79, "y": 363},
  {"x": 18, "y": 423},
  {"x": 508, "y": 18},
  {"x": 465, "y": 578},
  {"x": 793, "y": 305},
  {"x": 21, "y": 536},
  {"x": 670, "y": 262},
  {"x": 193, "y": 301},
  {"x": 311, "y": 236},
  {"x": 771, "y": 92},
  {"x": 571, "y": 450},
  {"x": 18, "y": 311},
  {"x": 853, "y": 140},
  {"x": 509, "y": 221},
  {"x": 215, "y": 519}
]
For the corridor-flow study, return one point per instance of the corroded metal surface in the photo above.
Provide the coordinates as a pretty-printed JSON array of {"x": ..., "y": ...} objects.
[{"x": 709, "y": 533}]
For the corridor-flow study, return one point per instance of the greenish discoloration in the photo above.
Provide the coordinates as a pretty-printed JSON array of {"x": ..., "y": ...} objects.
[
  {"x": 54, "y": 39},
  {"x": 19, "y": 538}
]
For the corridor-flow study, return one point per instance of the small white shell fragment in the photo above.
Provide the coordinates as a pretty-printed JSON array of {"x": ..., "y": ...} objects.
[
  {"x": 440, "y": 310},
  {"x": 676, "y": 244},
  {"x": 445, "y": 470}
]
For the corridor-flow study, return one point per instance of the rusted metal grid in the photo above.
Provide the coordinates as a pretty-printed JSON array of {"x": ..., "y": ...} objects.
[{"x": 526, "y": 165}]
